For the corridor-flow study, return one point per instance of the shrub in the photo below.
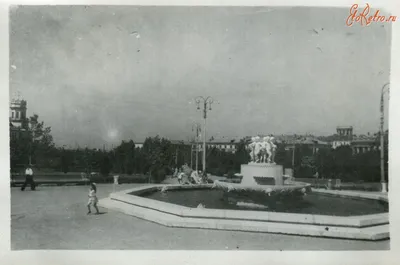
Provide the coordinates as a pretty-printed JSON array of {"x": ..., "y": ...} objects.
[{"x": 158, "y": 175}]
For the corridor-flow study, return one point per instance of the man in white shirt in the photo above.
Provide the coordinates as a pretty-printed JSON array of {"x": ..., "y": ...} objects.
[{"x": 28, "y": 178}]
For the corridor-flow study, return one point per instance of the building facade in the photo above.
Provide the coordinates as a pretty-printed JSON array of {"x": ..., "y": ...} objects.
[
  {"x": 230, "y": 147},
  {"x": 311, "y": 142},
  {"x": 223, "y": 146},
  {"x": 358, "y": 143},
  {"x": 343, "y": 136},
  {"x": 17, "y": 118},
  {"x": 344, "y": 131},
  {"x": 364, "y": 145}
]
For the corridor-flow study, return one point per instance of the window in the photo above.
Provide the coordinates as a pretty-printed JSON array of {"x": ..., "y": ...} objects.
[
  {"x": 17, "y": 115},
  {"x": 12, "y": 114}
]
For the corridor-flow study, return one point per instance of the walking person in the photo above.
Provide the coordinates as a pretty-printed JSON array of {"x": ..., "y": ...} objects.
[
  {"x": 92, "y": 198},
  {"x": 28, "y": 178}
]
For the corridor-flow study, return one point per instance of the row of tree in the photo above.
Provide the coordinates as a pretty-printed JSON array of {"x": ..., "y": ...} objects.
[
  {"x": 158, "y": 157},
  {"x": 340, "y": 163}
]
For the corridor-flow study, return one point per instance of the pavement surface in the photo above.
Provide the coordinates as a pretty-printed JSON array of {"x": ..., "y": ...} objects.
[{"x": 54, "y": 218}]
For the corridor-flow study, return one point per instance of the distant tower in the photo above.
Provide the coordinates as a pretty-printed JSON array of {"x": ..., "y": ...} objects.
[
  {"x": 18, "y": 113},
  {"x": 345, "y": 131},
  {"x": 18, "y": 120}
]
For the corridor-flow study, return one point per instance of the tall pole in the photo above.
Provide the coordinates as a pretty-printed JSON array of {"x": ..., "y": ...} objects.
[
  {"x": 196, "y": 128},
  {"x": 383, "y": 181},
  {"x": 197, "y": 156},
  {"x": 176, "y": 156},
  {"x": 206, "y": 106},
  {"x": 191, "y": 156},
  {"x": 294, "y": 148},
  {"x": 31, "y": 143},
  {"x": 204, "y": 141}
]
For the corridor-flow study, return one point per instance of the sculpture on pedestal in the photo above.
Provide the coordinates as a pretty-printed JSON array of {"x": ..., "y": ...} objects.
[
  {"x": 255, "y": 148},
  {"x": 262, "y": 180},
  {"x": 262, "y": 150},
  {"x": 270, "y": 149},
  {"x": 267, "y": 150},
  {"x": 273, "y": 151}
]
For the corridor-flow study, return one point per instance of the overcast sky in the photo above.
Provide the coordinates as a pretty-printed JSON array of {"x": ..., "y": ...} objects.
[{"x": 103, "y": 74}]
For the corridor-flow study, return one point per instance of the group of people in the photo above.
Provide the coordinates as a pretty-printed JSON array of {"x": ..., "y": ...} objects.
[
  {"x": 186, "y": 174},
  {"x": 93, "y": 200}
]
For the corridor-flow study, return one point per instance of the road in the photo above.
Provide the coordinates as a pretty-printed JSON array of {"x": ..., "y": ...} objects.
[{"x": 55, "y": 218}]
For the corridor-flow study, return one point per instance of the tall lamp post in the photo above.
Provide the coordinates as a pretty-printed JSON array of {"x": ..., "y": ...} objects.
[
  {"x": 197, "y": 127},
  {"x": 383, "y": 181},
  {"x": 206, "y": 106}
]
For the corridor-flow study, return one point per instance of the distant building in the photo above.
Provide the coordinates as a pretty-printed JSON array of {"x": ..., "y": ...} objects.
[
  {"x": 17, "y": 118},
  {"x": 340, "y": 142},
  {"x": 344, "y": 131},
  {"x": 358, "y": 143},
  {"x": 343, "y": 136},
  {"x": 227, "y": 146},
  {"x": 313, "y": 143},
  {"x": 364, "y": 145},
  {"x": 138, "y": 145}
]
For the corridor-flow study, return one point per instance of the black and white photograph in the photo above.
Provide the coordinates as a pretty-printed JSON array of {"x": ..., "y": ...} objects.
[{"x": 223, "y": 128}]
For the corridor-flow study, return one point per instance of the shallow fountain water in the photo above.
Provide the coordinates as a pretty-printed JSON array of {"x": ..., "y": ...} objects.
[{"x": 308, "y": 204}]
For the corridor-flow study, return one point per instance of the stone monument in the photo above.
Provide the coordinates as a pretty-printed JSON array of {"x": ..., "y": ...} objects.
[
  {"x": 262, "y": 170},
  {"x": 263, "y": 181}
]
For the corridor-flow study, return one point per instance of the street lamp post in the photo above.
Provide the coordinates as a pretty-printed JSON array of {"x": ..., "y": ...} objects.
[
  {"x": 383, "y": 181},
  {"x": 191, "y": 155},
  {"x": 206, "y": 106},
  {"x": 197, "y": 127},
  {"x": 294, "y": 150}
]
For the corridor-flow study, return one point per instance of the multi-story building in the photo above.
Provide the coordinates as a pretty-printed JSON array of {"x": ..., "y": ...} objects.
[
  {"x": 362, "y": 145},
  {"x": 359, "y": 143},
  {"x": 344, "y": 136},
  {"x": 17, "y": 118},
  {"x": 314, "y": 144},
  {"x": 344, "y": 131},
  {"x": 227, "y": 146}
]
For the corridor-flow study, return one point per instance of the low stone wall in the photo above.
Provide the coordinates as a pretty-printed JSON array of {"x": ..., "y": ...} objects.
[{"x": 367, "y": 227}]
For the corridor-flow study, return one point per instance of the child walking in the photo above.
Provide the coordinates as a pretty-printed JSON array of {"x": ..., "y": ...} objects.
[{"x": 92, "y": 198}]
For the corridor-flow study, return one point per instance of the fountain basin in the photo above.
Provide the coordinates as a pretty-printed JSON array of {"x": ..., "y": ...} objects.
[{"x": 134, "y": 202}]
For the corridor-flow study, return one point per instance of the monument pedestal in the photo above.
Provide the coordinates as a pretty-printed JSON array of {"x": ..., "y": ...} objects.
[{"x": 261, "y": 174}]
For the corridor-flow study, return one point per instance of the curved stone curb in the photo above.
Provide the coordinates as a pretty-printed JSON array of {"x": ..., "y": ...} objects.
[{"x": 366, "y": 227}]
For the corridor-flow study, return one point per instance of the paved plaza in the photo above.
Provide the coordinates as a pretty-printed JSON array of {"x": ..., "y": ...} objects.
[{"x": 55, "y": 218}]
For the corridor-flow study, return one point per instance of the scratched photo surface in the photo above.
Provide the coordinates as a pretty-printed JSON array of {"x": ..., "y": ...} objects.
[{"x": 199, "y": 128}]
